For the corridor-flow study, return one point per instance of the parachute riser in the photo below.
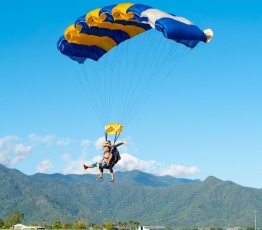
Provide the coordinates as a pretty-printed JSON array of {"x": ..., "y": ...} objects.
[{"x": 115, "y": 139}]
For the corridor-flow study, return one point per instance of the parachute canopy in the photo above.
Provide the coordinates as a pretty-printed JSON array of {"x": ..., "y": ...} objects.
[
  {"x": 97, "y": 32},
  {"x": 126, "y": 51}
]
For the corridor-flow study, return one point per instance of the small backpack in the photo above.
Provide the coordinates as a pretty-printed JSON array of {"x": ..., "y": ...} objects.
[{"x": 116, "y": 155}]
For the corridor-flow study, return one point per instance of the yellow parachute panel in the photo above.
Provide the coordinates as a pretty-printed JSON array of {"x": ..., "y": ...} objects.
[
  {"x": 93, "y": 18},
  {"x": 119, "y": 12},
  {"x": 113, "y": 128}
]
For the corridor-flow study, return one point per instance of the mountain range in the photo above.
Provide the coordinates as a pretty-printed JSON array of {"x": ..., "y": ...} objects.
[{"x": 135, "y": 195}]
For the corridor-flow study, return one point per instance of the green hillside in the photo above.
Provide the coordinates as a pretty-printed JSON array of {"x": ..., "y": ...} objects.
[{"x": 135, "y": 195}]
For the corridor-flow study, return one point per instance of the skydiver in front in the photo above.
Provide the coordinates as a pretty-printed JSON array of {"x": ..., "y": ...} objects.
[{"x": 104, "y": 162}]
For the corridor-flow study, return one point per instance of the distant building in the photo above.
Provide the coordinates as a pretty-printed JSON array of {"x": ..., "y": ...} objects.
[
  {"x": 21, "y": 226},
  {"x": 151, "y": 228},
  {"x": 234, "y": 228},
  {"x": 118, "y": 228}
]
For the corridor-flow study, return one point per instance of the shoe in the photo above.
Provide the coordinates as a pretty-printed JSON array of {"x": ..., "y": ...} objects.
[
  {"x": 99, "y": 178},
  {"x": 112, "y": 181},
  {"x": 84, "y": 167}
]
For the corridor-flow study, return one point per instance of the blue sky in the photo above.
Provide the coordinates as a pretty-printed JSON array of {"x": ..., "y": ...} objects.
[{"x": 205, "y": 119}]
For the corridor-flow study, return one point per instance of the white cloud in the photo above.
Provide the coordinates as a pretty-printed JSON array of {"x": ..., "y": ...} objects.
[
  {"x": 48, "y": 139},
  {"x": 179, "y": 171},
  {"x": 128, "y": 163},
  {"x": 11, "y": 153},
  {"x": 99, "y": 142},
  {"x": 75, "y": 166},
  {"x": 7, "y": 139},
  {"x": 63, "y": 142},
  {"x": 20, "y": 151},
  {"x": 44, "y": 166},
  {"x": 66, "y": 157},
  {"x": 85, "y": 143}
]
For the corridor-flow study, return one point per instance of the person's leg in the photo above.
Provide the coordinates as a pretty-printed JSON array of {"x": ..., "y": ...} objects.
[
  {"x": 112, "y": 177},
  {"x": 112, "y": 173},
  {"x": 100, "y": 174},
  {"x": 102, "y": 165},
  {"x": 89, "y": 166}
]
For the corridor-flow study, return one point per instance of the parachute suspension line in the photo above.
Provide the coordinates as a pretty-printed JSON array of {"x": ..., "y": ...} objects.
[
  {"x": 82, "y": 85},
  {"x": 106, "y": 85},
  {"x": 113, "y": 93},
  {"x": 159, "y": 65},
  {"x": 164, "y": 79},
  {"x": 116, "y": 137},
  {"x": 93, "y": 103},
  {"x": 131, "y": 77},
  {"x": 114, "y": 58},
  {"x": 107, "y": 82},
  {"x": 155, "y": 69},
  {"x": 122, "y": 102},
  {"x": 101, "y": 83},
  {"x": 129, "y": 94},
  {"x": 103, "y": 91},
  {"x": 135, "y": 86},
  {"x": 128, "y": 77},
  {"x": 178, "y": 52},
  {"x": 101, "y": 103},
  {"x": 116, "y": 81},
  {"x": 148, "y": 79},
  {"x": 92, "y": 99},
  {"x": 90, "y": 66}
]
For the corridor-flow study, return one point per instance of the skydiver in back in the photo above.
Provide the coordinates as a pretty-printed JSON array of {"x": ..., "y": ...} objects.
[{"x": 107, "y": 161}]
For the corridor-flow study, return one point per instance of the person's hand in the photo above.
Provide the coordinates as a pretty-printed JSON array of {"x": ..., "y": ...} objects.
[{"x": 124, "y": 142}]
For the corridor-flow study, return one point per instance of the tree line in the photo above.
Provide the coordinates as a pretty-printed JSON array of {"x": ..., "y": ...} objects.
[{"x": 17, "y": 217}]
